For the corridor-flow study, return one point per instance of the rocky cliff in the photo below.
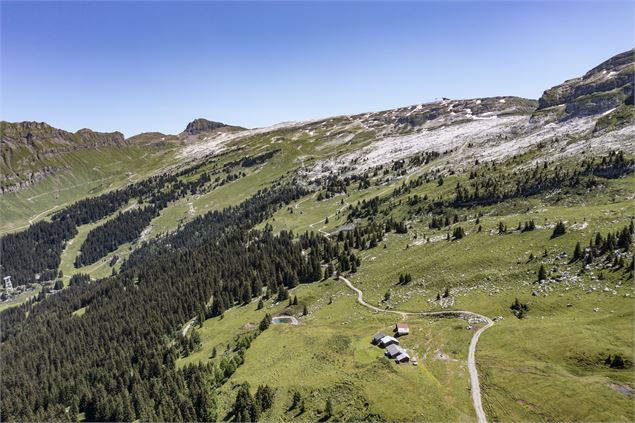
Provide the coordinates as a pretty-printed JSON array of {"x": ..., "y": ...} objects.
[{"x": 603, "y": 88}]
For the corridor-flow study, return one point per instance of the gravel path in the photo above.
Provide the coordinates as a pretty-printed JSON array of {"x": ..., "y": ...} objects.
[{"x": 471, "y": 357}]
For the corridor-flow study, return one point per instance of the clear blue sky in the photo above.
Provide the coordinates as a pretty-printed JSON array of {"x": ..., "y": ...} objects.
[{"x": 144, "y": 66}]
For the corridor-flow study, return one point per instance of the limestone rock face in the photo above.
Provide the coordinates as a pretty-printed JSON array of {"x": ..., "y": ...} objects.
[{"x": 603, "y": 88}]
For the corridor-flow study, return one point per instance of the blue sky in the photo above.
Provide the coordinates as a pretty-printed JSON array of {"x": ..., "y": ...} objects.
[{"x": 147, "y": 66}]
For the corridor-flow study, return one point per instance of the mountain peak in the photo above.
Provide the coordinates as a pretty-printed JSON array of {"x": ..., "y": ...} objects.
[{"x": 202, "y": 125}]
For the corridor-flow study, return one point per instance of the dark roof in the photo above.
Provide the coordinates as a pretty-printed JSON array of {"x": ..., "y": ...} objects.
[
  {"x": 378, "y": 336},
  {"x": 387, "y": 340},
  {"x": 394, "y": 350},
  {"x": 403, "y": 356}
]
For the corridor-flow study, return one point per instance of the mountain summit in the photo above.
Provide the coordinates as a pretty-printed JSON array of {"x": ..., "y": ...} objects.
[{"x": 200, "y": 125}]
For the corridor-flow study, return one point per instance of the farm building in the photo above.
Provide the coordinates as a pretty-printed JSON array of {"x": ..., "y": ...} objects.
[
  {"x": 375, "y": 339},
  {"x": 394, "y": 350},
  {"x": 387, "y": 340},
  {"x": 402, "y": 358},
  {"x": 402, "y": 329}
]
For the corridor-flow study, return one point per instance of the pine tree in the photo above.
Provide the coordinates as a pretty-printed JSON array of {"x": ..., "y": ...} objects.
[
  {"x": 264, "y": 397},
  {"x": 260, "y": 305},
  {"x": 265, "y": 322},
  {"x": 559, "y": 229},
  {"x": 329, "y": 408},
  {"x": 542, "y": 273},
  {"x": 246, "y": 294},
  {"x": 458, "y": 233},
  {"x": 244, "y": 409},
  {"x": 577, "y": 252},
  {"x": 305, "y": 311}
]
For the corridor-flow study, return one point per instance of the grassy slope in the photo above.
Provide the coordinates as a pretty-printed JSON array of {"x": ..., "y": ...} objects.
[
  {"x": 85, "y": 173},
  {"x": 559, "y": 346},
  {"x": 329, "y": 356},
  {"x": 99, "y": 269},
  {"x": 538, "y": 368}
]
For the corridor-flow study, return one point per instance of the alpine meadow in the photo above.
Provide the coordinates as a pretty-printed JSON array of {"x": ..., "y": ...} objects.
[{"x": 454, "y": 260}]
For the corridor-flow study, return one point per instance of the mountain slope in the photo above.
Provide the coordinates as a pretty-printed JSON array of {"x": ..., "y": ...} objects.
[{"x": 494, "y": 206}]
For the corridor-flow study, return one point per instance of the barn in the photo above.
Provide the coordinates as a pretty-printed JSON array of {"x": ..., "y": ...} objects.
[
  {"x": 402, "y": 358},
  {"x": 394, "y": 350},
  {"x": 387, "y": 340},
  {"x": 402, "y": 329},
  {"x": 375, "y": 339}
]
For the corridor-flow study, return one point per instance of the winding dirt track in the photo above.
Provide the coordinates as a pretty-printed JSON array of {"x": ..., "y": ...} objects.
[{"x": 471, "y": 357}]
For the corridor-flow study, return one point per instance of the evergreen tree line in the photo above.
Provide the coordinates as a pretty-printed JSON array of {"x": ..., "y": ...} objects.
[
  {"x": 607, "y": 246},
  {"x": 126, "y": 227},
  {"x": 487, "y": 187},
  {"x": 38, "y": 249},
  {"x": 116, "y": 355},
  {"x": 249, "y": 161}
]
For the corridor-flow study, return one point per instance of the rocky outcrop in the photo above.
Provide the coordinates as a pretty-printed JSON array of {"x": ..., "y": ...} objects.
[
  {"x": 43, "y": 138},
  {"x": 200, "y": 125},
  {"x": 13, "y": 184},
  {"x": 605, "y": 87}
]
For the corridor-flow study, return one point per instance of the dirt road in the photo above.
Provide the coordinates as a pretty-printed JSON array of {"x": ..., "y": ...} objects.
[{"x": 471, "y": 357}]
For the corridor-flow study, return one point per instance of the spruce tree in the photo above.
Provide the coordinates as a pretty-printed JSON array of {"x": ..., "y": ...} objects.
[
  {"x": 559, "y": 229},
  {"x": 542, "y": 273},
  {"x": 577, "y": 252}
]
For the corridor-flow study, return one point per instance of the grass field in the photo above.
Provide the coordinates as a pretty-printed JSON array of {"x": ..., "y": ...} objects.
[
  {"x": 83, "y": 173},
  {"x": 329, "y": 355},
  {"x": 538, "y": 368}
]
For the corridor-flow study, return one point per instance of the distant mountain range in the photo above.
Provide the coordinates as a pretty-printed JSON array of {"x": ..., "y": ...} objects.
[{"x": 32, "y": 150}]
